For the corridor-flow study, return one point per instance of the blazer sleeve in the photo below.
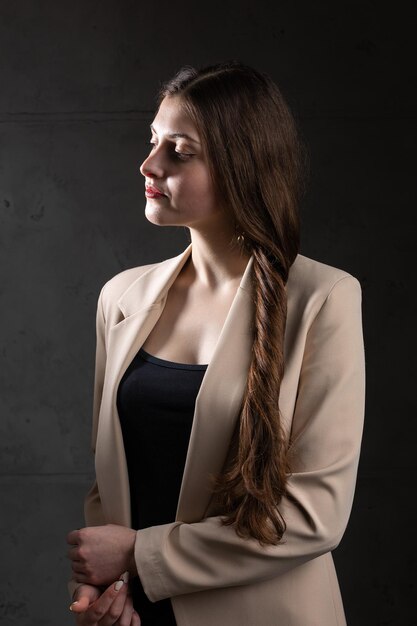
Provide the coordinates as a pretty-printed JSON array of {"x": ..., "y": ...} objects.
[
  {"x": 180, "y": 558},
  {"x": 93, "y": 513}
]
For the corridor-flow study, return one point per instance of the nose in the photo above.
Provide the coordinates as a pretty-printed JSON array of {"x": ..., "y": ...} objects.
[{"x": 152, "y": 166}]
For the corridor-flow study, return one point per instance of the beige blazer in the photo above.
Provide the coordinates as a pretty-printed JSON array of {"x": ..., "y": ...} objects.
[{"x": 212, "y": 576}]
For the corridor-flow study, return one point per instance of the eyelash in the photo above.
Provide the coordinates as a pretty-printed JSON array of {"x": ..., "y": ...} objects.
[{"x": 182, "y": 156}]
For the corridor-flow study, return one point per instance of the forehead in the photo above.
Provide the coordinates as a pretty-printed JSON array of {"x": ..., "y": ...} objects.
[{"x": 173, "y": 118}]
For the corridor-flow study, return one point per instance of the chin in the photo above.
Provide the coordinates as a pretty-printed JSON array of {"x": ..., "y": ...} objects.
[
  {"x": 154, "y": 215},
  {"x": 157, "y": 216}
]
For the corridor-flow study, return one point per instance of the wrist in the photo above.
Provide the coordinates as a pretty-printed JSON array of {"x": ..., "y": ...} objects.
[{"x": 131, "y": 564}]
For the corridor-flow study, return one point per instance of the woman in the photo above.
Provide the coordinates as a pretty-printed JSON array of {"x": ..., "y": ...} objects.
[{"x": 221, "y": 503}]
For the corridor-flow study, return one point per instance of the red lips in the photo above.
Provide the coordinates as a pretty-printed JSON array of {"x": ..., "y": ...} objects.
[{"x": 153, "y": 192}]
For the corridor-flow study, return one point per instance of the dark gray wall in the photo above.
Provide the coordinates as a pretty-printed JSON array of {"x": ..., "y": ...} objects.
[{"x": 78, "y": 81}]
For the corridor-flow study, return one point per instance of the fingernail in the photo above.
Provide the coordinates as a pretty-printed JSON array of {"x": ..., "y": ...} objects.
[
  {"x": 124, "y": 577},
  {"x": 119, "y": 585},
  {"x": 72, "y": 604}
]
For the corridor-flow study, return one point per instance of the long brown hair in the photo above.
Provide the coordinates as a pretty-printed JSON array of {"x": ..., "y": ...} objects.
[{"x": 257, "y": 162}]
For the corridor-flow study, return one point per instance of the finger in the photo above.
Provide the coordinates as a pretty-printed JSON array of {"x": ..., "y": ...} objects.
[
  {"x": 78, "y": 566},
  {"x": 81, "y": 605},
  {"x": 83, "y": 597},
  {"x": 74, "y": 553},
  {"x": 82, "y": 578},
  {"x": 125, "y": 618},
  {"x": 102, "y": 605},
  {"x": 116, "y": 609},
  {"x": 135, "y": 619},
  {"x": 73, "y": 537}
]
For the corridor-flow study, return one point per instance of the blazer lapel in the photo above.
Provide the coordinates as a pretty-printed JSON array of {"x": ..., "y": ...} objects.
[
  {"x": 217, "y": 406},
  {"x": 217, "y": 403}
]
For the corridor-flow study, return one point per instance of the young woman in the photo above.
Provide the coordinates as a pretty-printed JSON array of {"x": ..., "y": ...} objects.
[{"x": 229, "y": 386}]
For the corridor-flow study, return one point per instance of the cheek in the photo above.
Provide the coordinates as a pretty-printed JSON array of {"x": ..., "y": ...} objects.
[{"x": 197, "y": 187}]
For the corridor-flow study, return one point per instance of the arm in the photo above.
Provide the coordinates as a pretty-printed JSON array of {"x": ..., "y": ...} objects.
[{"x": 179, "y": 558}]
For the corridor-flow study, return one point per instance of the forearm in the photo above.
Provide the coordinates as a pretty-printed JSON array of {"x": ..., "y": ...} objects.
[{"x": 179, "y": 558}]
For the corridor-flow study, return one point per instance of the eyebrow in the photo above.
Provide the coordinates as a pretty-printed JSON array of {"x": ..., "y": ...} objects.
[{"x": 176, "y": 135}]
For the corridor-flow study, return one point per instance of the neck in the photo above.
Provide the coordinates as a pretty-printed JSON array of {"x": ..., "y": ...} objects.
[{"x": 215, "y": 261}]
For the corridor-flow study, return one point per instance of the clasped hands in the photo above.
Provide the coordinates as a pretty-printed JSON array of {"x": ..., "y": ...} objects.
[{"x": 102, "y": 556}]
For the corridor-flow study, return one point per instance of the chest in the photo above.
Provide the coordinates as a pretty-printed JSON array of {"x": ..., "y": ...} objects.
[{"x": 190, "y": 324}]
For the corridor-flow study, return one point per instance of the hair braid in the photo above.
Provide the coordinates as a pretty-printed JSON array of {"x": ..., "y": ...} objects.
[{"x": 257, "y": 477}]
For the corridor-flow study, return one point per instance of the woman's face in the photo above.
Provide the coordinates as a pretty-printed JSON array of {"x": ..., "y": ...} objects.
[{"x": 177, "y": 167}]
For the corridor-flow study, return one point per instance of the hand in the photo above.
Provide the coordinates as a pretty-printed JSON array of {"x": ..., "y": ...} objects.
[
  {"x": 101, "y": 553},
  {"x": 114, "y": 606}
]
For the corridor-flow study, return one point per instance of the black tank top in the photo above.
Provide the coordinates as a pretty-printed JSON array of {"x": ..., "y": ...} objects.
[{"x": 156, "y": 401}]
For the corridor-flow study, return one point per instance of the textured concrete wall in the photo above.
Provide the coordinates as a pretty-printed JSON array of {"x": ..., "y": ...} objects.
[{"x": 78, "y": 81}]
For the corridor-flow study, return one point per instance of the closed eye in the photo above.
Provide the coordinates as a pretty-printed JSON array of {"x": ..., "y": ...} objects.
[{"x": 182, "y": 156}]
